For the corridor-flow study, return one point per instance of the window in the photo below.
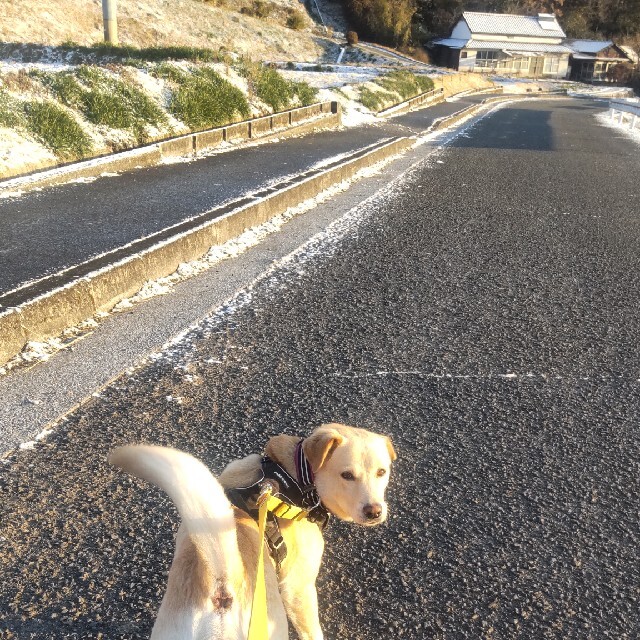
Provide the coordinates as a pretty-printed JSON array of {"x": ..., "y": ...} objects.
[
  {"x": 463, "y": 54},
  {"x": 551, "y": 65},
  {"x": 521, "y": 64},
  {"x": 486, "y": 58}
]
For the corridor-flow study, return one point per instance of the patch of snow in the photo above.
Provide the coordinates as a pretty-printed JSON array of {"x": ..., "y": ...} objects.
[{"x": 623, "y": 127}]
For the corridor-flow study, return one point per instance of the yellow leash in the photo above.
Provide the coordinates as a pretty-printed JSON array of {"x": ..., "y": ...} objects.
[
  {"x": 258, "y": 628},
  {"x": 258, "y": 625}
]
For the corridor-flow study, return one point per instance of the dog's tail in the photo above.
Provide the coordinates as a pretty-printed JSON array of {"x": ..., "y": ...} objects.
[{"x": 198, "y": 496}]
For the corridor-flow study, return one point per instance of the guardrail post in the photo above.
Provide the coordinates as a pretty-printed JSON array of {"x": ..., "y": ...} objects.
[{"x": 633, "y": 121}]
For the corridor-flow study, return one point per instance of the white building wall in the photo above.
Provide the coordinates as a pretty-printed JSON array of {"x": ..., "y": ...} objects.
[{"x": 461, "y": 30}]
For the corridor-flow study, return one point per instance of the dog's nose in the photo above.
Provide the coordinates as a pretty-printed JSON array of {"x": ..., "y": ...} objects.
[{"x": 372, "y": 511}]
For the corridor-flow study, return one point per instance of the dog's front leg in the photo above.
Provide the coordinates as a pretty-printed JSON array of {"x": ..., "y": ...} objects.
[{"x": 301, "y": 605}]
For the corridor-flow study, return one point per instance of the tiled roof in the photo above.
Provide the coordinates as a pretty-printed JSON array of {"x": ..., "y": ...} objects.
[
  {"x": 589, "y": 46},
  {"x": 517, "y": 47},
  {"x": 630, "y": 53},
  {"x": 512, "y": 25},
  {"x": 454, "y": 43}
]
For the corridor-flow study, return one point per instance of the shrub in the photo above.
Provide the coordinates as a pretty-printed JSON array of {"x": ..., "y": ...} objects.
[
  {"x": 352, "y": 38},
  {"x": 57, "y": 130},
  {"x": 259, "y": 9},
  {"x": 306, "y": 93},
  {"x": 272, "y": 88},
  {"x": 296, "y": 20},
  {"x": 205, "y": 100}
]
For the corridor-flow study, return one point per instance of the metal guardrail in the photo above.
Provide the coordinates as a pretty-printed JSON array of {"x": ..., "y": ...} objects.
[{"x": 624, "y": 106}]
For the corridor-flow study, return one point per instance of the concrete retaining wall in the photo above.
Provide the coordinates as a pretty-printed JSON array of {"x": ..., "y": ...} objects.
[
  {"x": 51, "y": 313},
  {"x": 427, "y": 98}
]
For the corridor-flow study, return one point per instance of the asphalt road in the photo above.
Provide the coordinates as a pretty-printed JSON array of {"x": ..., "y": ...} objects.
[
  {"x": 483, "y": 312},
  {"x": 66, "y": 225}
]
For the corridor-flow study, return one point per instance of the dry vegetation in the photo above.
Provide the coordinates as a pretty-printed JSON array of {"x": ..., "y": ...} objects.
[{"x": 262, "y": 29}]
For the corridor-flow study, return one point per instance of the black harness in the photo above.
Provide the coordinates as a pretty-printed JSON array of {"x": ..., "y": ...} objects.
[{"x": 300, "y": 492}]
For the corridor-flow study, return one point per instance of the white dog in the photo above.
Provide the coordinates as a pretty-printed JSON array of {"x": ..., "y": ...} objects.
[{"x": 337, "y": 470}]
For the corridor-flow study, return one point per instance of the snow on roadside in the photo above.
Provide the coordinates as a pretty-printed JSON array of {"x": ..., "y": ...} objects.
[
  {"x": 623, "y": 127},
  {"x": 35, "y": 352}
]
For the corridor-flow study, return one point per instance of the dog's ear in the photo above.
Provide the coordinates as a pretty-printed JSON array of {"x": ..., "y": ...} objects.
[
  {"x": 319, "y": 446},
  {"x": 390, "y": 449}
]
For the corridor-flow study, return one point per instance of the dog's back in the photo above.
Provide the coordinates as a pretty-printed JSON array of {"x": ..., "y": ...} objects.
[{"x": 209, "y": 589}]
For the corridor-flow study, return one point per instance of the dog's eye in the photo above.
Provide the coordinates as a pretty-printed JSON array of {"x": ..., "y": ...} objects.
[
  {"x": 347, "y": 475},
  {"x": 381, "y": 472}
]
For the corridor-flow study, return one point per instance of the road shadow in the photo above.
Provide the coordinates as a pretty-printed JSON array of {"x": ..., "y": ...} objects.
[{"x": 511, "y": 128}]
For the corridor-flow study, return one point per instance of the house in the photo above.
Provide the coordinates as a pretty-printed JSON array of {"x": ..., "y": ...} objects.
[
  {"x": 527, "y": 46},
  {"x": 592, "y": 60}
]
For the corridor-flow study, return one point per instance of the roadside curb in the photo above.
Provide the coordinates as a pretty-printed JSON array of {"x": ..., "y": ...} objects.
[
  {"x": 293, "y": 122},
  {"x": 446, "y": 121},
  {"x": 98, "y": 285}
]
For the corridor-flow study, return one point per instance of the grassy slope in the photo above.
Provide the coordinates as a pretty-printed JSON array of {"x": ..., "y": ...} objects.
[
  {"x": 222, "y": 30},
  {"x": 146, "y": 23}
]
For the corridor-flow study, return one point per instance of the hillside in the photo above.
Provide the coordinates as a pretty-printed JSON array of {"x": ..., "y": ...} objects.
[{"x": 160, "y": 23}]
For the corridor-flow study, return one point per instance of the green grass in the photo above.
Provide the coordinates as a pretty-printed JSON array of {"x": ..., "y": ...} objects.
[
  {"x": 11, "y": 111},
  {"x": 375, "y": 100},
  {"x": 104, "y": 99},
  {"x": 152, "y": 54},
  {"x": 402, "y": 84},
  {"x": 205, "y": 99},
  {"x": 306, "y": 94},
  {"x": 272, "y": 88},
  {"x": 57, "y": 130},
  {"x": 405, "y": 84},
  {"x": 167, "y": 71}
]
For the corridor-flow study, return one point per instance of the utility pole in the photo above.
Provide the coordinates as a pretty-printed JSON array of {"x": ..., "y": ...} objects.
[{"x": 110, "y": 19}]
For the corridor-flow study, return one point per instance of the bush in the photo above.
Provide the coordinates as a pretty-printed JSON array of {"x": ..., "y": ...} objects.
[
  {"x": 306, "y": 94},
  {"x": 272, "y": 88},
  {"x": 57, "y": 130},
  {"x": 205, "y": 100},
  {"x": 259, "y": 9},
  {"x": 296, "y": 20},
  {"x": 352, "y": 38}
]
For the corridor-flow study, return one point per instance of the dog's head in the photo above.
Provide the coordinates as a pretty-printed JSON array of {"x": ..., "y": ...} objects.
[{"x": 351, "y": 471}]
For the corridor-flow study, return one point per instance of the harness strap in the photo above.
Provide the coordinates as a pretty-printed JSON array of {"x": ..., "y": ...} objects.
[{"x": 291, "y": 499}]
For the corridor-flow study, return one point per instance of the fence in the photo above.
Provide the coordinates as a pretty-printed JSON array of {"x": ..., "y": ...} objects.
[{"x": 625, "y": 106}]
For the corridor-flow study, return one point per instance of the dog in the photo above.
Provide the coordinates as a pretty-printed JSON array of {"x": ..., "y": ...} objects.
[{"x": 212, "y": 578}]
